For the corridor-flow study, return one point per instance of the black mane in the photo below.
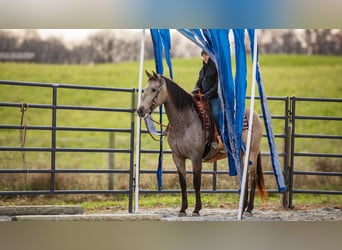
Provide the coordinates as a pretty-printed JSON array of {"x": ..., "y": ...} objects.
[{"x": 181, "y": 98}]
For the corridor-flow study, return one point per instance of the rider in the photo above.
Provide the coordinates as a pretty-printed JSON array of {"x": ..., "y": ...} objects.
[{"x": 207, "y": 85}]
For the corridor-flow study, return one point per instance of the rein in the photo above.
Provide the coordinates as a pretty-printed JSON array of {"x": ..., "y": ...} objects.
[
  {"x": 160, "y": 124},
  {"x": 149, "y": 125}
]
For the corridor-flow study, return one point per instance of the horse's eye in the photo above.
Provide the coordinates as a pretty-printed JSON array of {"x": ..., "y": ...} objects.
[{"x": 154, "y": 90}]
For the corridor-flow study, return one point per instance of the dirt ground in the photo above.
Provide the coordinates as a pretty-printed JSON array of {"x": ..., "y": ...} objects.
[
  {"x": 229, "y": 212},
  {"x": 316, "y": 214}
]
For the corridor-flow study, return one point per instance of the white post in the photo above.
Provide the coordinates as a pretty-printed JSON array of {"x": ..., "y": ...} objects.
[
  {"x": 249, "y": 133},
  {"x": 137, "y": 146}
]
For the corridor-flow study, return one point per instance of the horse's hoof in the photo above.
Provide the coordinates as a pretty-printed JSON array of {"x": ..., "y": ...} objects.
[
  {"x": 195, "y": 214},
  {"x": 181, "y": 214},
  {"x": 248, "y": 214}
]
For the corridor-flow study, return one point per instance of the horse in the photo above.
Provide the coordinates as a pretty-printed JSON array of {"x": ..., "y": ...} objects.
[{"x": 186, "y": 138}]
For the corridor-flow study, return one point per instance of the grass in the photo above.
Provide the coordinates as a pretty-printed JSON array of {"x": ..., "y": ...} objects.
[
  {"x": 282, "y": 75},
  {"x": 109, "y": 204}
]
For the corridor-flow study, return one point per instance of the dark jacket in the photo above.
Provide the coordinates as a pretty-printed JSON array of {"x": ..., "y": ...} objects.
[{"x": 207, "y": 81}]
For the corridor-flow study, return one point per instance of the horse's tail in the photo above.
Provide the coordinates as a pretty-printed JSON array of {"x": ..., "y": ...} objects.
[{"x": 260, "y": 183}]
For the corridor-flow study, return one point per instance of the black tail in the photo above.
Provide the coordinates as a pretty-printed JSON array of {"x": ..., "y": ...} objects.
[{"x": 260, "y": 183}]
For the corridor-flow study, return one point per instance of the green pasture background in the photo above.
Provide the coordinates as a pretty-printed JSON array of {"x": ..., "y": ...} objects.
[{"x": 282, "y": 75}]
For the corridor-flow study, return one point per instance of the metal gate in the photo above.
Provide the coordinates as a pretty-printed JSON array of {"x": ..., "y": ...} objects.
[
  {"x": 55, "y": 150},
  {"x": 288, "y": 115}
]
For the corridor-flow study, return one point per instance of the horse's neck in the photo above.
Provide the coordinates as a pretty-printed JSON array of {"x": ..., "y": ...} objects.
[{"x": 175, "y": 117}]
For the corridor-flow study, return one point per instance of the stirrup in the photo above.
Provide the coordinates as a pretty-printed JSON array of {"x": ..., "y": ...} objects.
[{"x": 218, "y": 144}]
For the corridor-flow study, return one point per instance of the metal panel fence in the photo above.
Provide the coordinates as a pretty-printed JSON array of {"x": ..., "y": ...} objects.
[
  {"x": 219, "y": 170},
  {"x": 53, "y": 149},
  {"x": 285, "y": 115},
  {"x": 315, "y": 146}
]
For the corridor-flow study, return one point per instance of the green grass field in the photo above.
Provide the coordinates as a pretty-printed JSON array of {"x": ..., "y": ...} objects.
[{"x": 282, "y": 75}]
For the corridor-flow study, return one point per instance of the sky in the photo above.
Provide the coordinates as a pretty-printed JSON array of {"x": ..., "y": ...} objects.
[
  {"x": 67, "y": 34},
  {"x": 77, "y": 35}
]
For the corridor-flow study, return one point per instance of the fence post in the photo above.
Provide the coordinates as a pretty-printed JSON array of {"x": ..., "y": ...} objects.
[
  {"x": 292, "y": 149},
  {"x": 215, "y": 176},
  {"x": 287, "y": 140},
  {"x": 111, "y": 161},
  {"x": 131, "y": 161},
  {"x": 53, "y": 137}
]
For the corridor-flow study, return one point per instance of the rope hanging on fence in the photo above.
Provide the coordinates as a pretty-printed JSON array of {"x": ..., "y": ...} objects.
[{"x": 22, "y": 139}]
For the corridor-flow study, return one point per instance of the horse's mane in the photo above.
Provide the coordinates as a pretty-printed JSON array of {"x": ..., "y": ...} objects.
[{"x": 182, "y": 99}]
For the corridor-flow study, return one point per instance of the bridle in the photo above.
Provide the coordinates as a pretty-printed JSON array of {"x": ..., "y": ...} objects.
[
  {"x": 154, "y": 100},
  {"x": 150, "y": 118}
]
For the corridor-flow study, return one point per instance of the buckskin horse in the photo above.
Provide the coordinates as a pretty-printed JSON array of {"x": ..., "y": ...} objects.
[{"x": 187, "y": 138}]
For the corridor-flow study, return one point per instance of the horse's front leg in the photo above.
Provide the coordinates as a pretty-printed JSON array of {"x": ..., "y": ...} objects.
[
  {"x": 197, "y": 169},
  {"x": 180, "y": 164}
]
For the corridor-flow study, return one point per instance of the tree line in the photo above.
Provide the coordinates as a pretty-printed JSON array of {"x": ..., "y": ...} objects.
[{"x": 106, "y": 46}]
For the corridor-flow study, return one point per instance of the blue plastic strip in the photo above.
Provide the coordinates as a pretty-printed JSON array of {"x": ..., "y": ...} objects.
[
  {"x": 268, "y": 123},
  {"x": 240, "y": 89},
  {"x": 161, "y": 39}
]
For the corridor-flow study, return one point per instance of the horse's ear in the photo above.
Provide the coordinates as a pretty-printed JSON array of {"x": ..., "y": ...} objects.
[
  {"x": 148, "y": 74},
  {"x": 156, "y": 75}
]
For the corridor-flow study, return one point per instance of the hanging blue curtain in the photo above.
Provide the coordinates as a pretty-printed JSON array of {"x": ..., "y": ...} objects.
[
  {"x": 240, "y": 83},
  {"x": 216, "y": 43},
  {"x": 161, "y": 42},
  {"x": 232, "y": 89}
]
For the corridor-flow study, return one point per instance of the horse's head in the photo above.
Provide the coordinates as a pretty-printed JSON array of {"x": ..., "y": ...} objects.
[{"x": 154, "y": 94}]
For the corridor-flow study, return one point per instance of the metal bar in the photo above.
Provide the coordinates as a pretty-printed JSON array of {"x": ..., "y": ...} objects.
[
  {"x": 209, "y": 172},
  {"x": 323, "y": 118},
  {"x": 131, "y": 160},
  {"x": 318, "y": 155},
  {"x": 53, "y": 137},
  {"x": 65, "y": 86},
  {"x": 208, "y": 191},
  {"x": 317, "y": 192},
  {"x": 310, "y": 99},
  {"x": 64, "y": 171},
  {"x": 287, "y": 139},
  {"x": 89, "y": 108},
  {"x": 313, "y": 136},
  {"x": 31, "y": 84},
  {"x": 173, "y": 191},
  {"x": 98, "y": 150},
  {"x": 274, "y": 98},
  {"x": 318, "y": 173},
  {"x": 31, "y": 105},
  {"x": 111, "y": 161},
  {"x": 123, "y": 130},
  {"x": 215, "y": 175},
  {"x": 84, "y": 87},
  {"x": 68, "y": 107},
  {"x": 292, "y": 150},
  {"x": 48, "y": 192}
]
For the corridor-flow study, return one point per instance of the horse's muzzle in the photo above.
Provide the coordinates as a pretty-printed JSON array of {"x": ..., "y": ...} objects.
[{"x": 141, "y": 111}]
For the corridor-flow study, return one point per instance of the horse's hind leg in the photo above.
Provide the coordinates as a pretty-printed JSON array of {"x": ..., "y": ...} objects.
[
  {"x": 251, "y": 196},
  {"x": 245, "y": 200},
  {"x": 252, "y": 182},
  {"x": 180, "y": 163},
  {"x": 197, "y": 168}
]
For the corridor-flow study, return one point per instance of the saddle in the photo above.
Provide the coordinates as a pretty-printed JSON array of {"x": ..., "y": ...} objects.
[{"x": 212, "y": 137}]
